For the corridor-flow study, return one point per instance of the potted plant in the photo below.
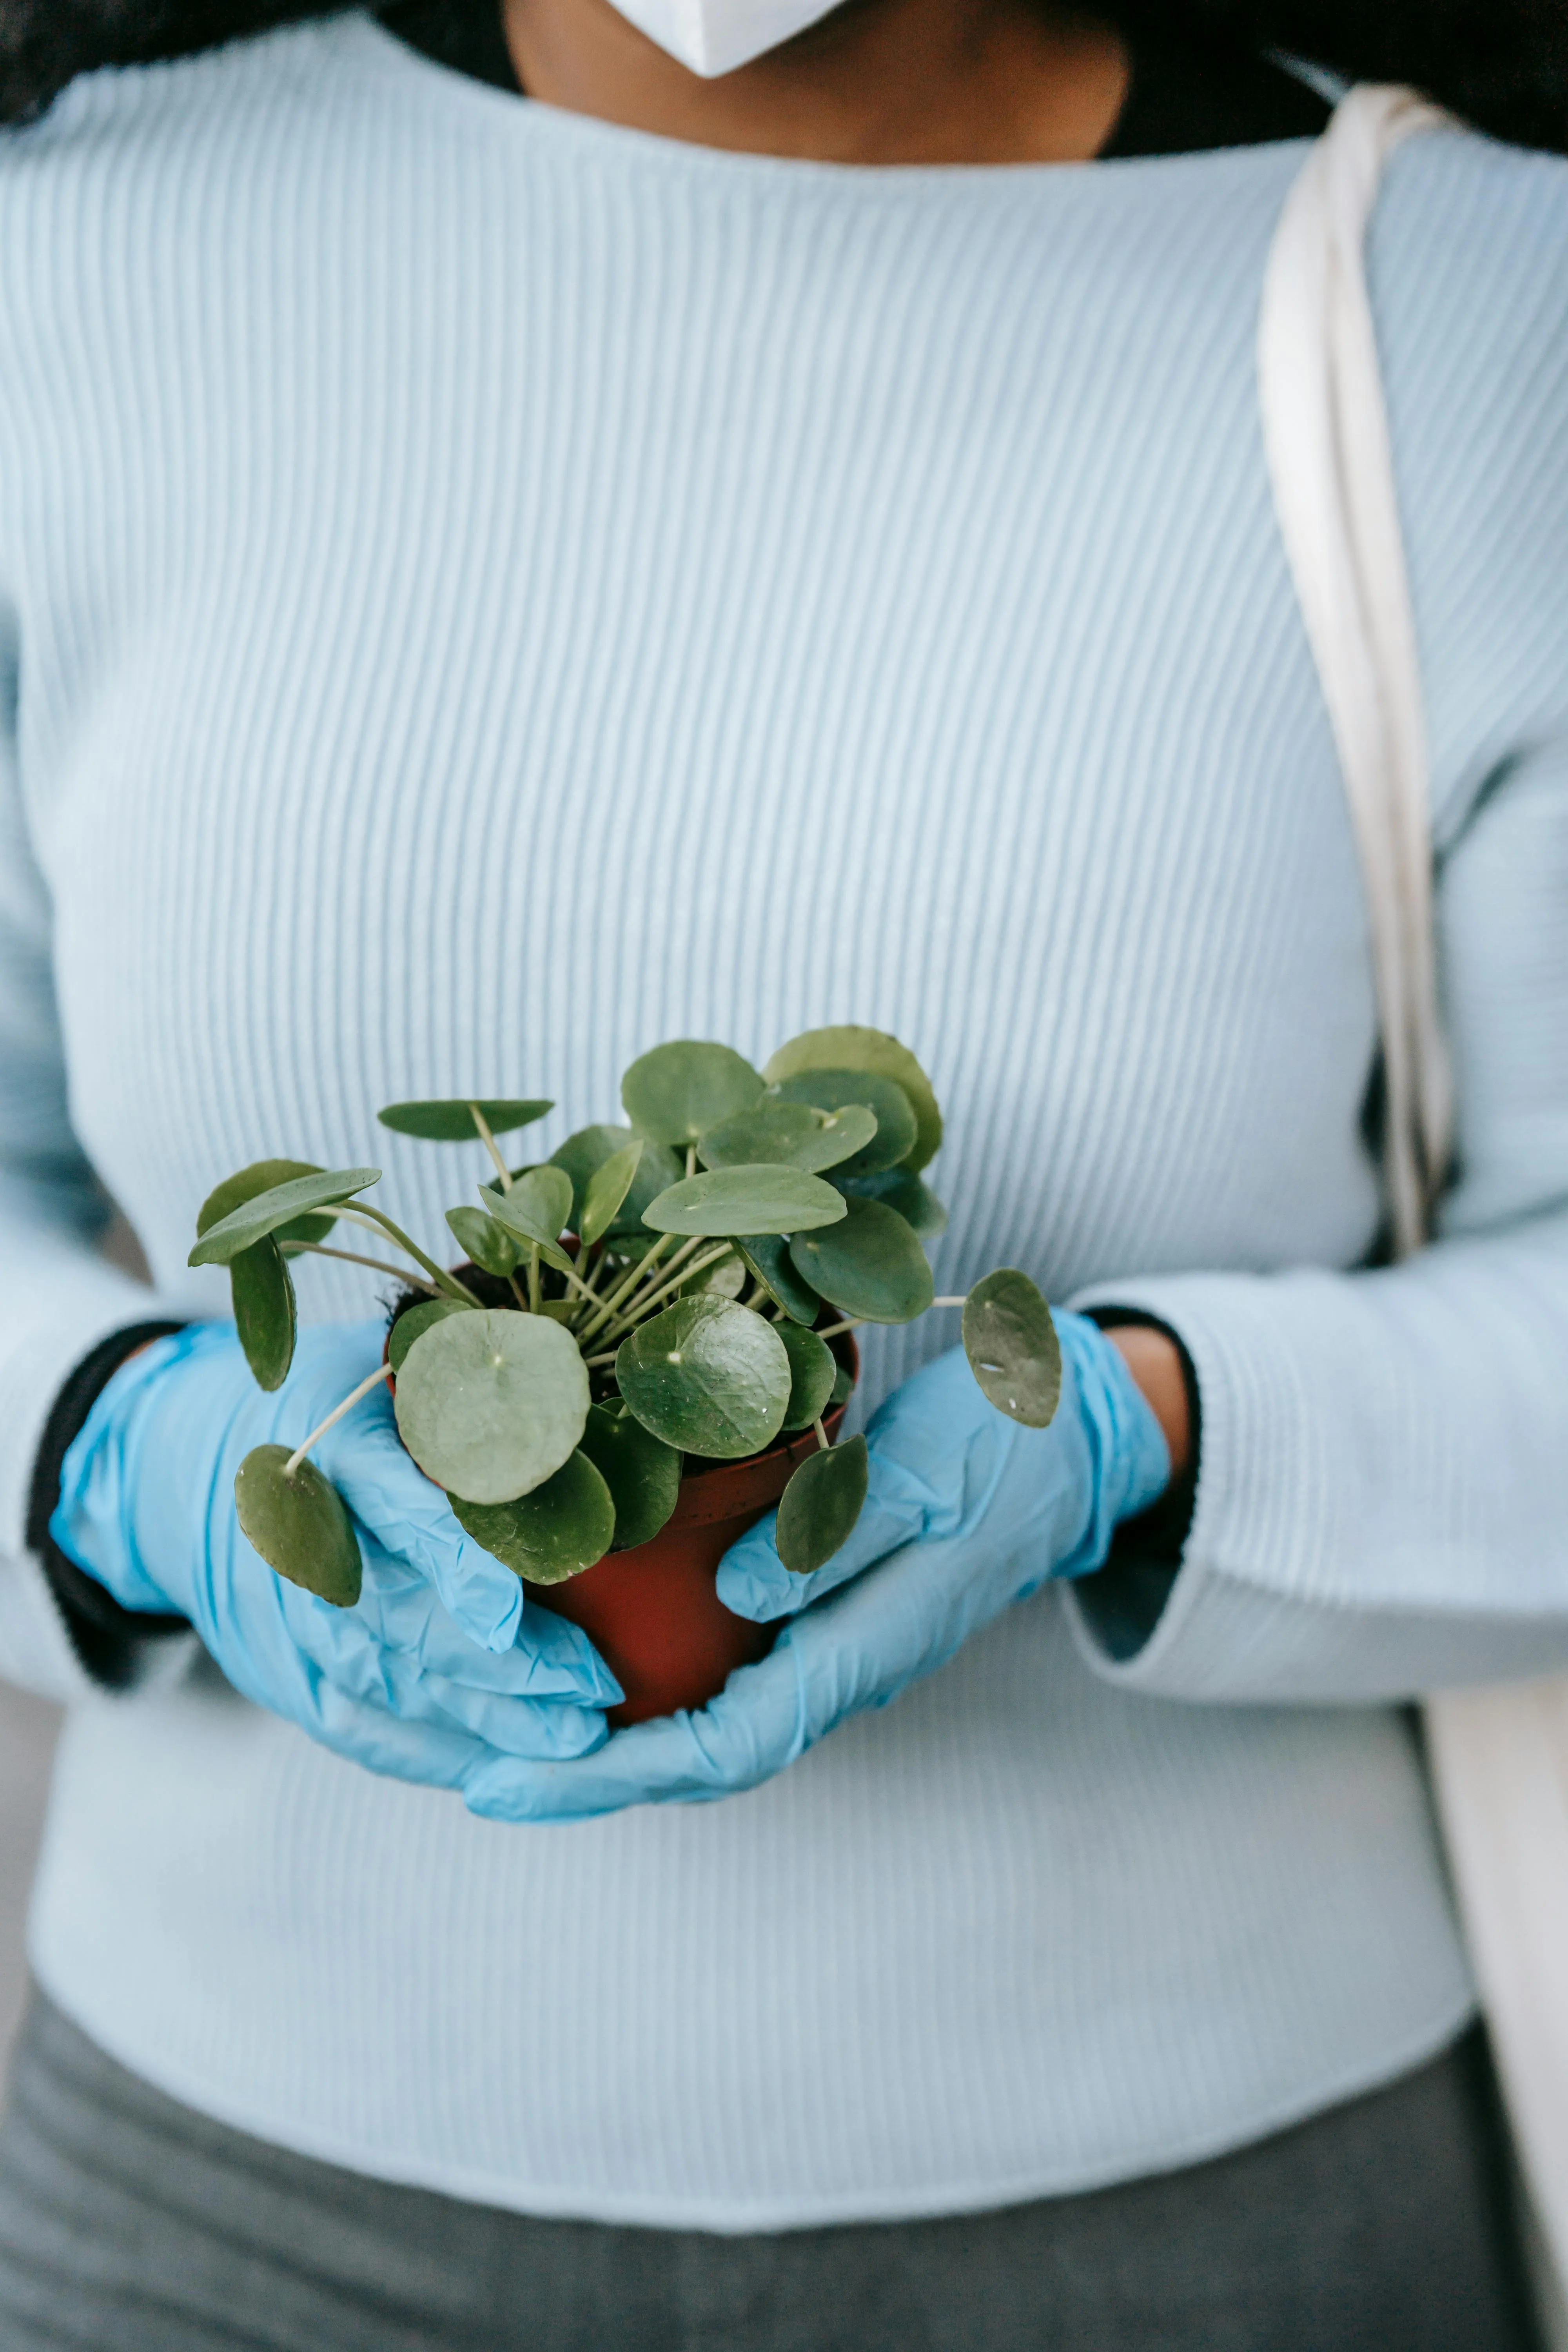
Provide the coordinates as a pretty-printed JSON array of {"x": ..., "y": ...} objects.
[{"x": 649, "y": 1340}]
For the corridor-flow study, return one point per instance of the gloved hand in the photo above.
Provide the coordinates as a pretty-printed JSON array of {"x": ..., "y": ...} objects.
[
  {"x": 438, "y": 1668},
  {"x": 966, "y": 1513}
]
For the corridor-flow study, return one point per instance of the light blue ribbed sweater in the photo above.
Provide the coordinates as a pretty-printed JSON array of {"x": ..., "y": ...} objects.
[{"x": 481, "y": 591}]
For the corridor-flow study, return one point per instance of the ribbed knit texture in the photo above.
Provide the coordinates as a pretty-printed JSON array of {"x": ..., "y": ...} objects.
[{"x": 484, "y": 592}]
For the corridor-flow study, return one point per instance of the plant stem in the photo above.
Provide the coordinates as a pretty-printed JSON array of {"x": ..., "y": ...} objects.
[
  {"x": 591, "y": 1298},
  {"x": 597, "y": 1363},
  {"x": 832, "y": 1330},
  {"x": 950, "y": 1302},
  {"x": 641, "y": 1306},
  {"x": 608, "y": 1306},
  {"x": 382, "y": 1372},
  {"x": 587, "y": 1297},
  {"x": 821, "y": 1433},
  {"x": 447, "y": 1282},
  {"x": 588, "y": 1283},
  {"x": 691, "y": 1159},
  {"x": 517, "y": 1290},
  {"x": 683, "y": 1253},
  {"x": 488, "y": 1140},
  {"x": 637, "y": 1304},
  {"x": 533, "y": 1278},
  {"x": 376, "y": 1264}
]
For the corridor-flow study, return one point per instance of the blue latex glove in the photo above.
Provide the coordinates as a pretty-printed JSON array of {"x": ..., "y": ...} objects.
[
  {"x": 966, "y": 1513},
  {"x": 438, "y": 1668}
]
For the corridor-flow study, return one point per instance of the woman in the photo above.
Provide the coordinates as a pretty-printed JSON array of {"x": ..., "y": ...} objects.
[{"x": 490, "y": 582}]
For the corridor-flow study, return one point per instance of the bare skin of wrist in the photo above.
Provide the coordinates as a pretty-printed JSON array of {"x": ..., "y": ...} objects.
[{"x": 1155, "y": 1363}]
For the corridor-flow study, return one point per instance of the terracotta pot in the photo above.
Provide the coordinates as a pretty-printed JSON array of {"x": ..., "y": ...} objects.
[{"x": 654, "y": 1615}]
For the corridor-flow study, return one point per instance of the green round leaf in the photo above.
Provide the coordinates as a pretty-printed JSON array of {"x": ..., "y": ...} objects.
[
  {"x": 843, "y": 1386},
  {"x": 730, "y": 1201},
  {"x": 898, "y": 1189},
  {"x": 263, "y": 1310},
  {"x": 453, "y": 1121},
  {"x": 850, "y": 1047},
  {"x": 494, "y": 1184},
  {"x": 814, "y": 1368},
  {"x": 606, "y": 1191},
  {"x": 275, "y": 1208},
  {"x": 538, "y": 1204},
  {"x": 871, "y": 1266},
  {"x": 1012, "y": 1345},
  {"x": 298, "y": 1525},
  {"x": 677, "y": 1092},
  {"x": 586, "y": 1152},
  {"x": 893, "y": 1138},
  {"x": 262, "y": 1176},
  {"x": 792, "y": 1134},
  {"x": 641, "y": 1472},
  {"x": 707, "y": 1376},
  {"x": 482, "y": 1242},
  {"x": 766, "y": 1256},
  {"x": 821, "y": 1504},
  {"x": 536, "y": 1210},
  {"x": 415, "y": 1320},
  {"x": 551, "y": 1254},
  {"x": 490, "y": 1402},
  {"x": 555, "y": 1532},
  {"x": 725, "y": 1278}
]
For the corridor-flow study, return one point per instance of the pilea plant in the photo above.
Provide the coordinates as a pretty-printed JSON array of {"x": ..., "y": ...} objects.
[{"x": 655, "y": 1291}]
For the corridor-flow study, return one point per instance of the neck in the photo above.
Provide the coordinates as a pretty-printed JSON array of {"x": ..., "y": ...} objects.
[{"x": 879, "y": 81}]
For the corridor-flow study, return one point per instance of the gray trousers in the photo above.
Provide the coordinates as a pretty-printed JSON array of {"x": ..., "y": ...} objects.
[{"x": 130, "y": 2224}]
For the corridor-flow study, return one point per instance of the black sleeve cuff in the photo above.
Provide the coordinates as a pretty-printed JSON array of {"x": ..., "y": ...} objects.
[
  {"x": 1123, "y": 1600},
  {"x": 106, "y": 1639}
]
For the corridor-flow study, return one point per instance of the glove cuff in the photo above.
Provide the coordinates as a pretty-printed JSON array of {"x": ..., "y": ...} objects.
[{"x": 108, "y": 1641}]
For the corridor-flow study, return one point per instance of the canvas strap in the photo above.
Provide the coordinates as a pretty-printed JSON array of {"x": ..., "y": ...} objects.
[
  {"x": 1499, "y": 1757},
  {"x": 1326, "y": 435}
]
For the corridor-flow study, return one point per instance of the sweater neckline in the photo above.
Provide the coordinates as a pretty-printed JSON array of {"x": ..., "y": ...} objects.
[{"x": 510, "y": 113}]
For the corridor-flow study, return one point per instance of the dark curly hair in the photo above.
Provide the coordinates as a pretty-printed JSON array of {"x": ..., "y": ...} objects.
[{"x": 1502, "y": 64}]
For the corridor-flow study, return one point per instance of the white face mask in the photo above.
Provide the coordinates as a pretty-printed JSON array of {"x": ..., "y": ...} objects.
[{"x": 714, "y": 36}]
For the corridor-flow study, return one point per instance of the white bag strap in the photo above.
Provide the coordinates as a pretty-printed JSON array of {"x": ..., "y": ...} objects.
[
  {"x": 1499, "y": 1757},
  {"x": 1326, "y": 435}
]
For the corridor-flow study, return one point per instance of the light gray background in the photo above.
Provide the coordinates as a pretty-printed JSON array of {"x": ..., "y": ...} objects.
[{"x": 27, "y": 1728}]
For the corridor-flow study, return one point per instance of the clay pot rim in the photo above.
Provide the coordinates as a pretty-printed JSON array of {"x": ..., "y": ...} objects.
[{"x": 718, "y": 1490}]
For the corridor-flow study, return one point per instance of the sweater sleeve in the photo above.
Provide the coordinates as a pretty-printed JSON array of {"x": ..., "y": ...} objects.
[
  {"x": 63, "y": 1299},
  {"x": 1381, "y": 1505}
]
